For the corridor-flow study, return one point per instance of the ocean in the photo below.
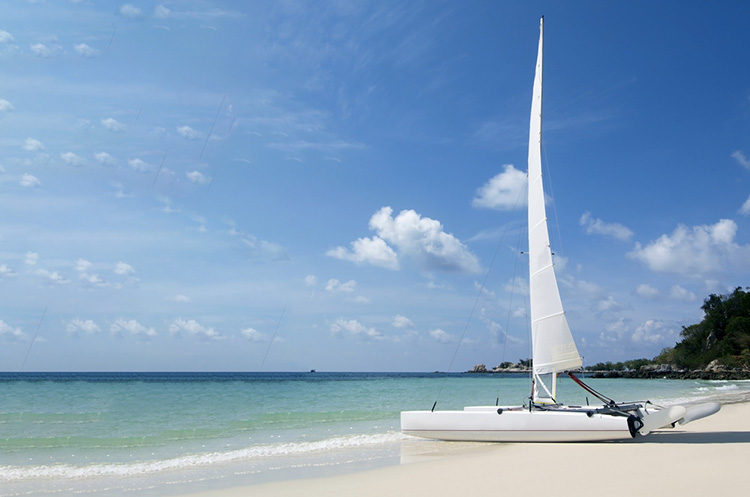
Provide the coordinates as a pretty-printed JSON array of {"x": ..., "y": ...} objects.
[{"x": 107, "y": 434}]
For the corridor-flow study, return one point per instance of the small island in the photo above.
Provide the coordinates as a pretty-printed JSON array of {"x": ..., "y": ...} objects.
[{"x": 717, "y": 348}]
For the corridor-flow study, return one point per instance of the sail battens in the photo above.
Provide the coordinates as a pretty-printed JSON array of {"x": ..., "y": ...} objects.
[{"x": 542, "y": 318}]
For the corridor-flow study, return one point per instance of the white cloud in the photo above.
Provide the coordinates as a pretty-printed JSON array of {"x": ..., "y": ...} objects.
[
  {"x": 311, "y": 280},
  {"x": 368, "y": 250},
  {"x": 741, "y": 159},
  {"x": 29, "y": 180},
  {"x": 71, "y": 159},
  {"x": 679, "y": 293},
  {"x": 188, "y": 132},
  {"x": 6, "y": 271},
  {"x": 5, "y": 106},
  {"x": 139, "y": 165},
  {"x": 645, "y": 290},
  {"x": 254, "y": 335},
  {"x": 89, "y": 327},
  {"x": 53, "y": 276},
  {"x": 33, "y": 145},
  {"x": 400, "y": 321},
  {"x": 193, "y": 328},
  {"x": 653, "y": 331},
  {"x": 161, "y": 12},
  {"x": 599, "y": 227},
  {"x": 424, "y": 239},
  {"x": 123, "y": 269},
  {"x": 502, "y": 191},
  {"x": 745, "y": 209},
  {"x": 131, "y": 327},
  {"x": 130, "y": 11},
  {"x": 609, "y": 305},
  {"x": 416, "y": 237},
  {"x": 112, "y": 124},
  {"x": 196, "y": 177},
  {"x": 706, "y": 251},
  {"x": 31, "y": 258},
  {"x": 441, "y": 336},
  {"x": 6, "y": 331},
  {"x": 5, "y": 37},
  {"x": 45, "y": 51},
  {"x": 335, "y": 285},
  {"x": 86, "y": 51},
  {"x": 105, "y": 159},
  {"x": 355, "y": 328}
]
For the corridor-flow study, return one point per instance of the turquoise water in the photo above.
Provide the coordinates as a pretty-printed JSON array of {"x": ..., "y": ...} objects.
[{"x": 160, "y": 433}]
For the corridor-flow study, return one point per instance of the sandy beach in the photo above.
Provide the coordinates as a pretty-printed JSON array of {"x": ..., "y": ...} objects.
[{"x": 706, "y": 457}]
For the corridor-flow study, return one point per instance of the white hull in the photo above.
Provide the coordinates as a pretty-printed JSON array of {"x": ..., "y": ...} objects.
[{"x": 516, "y": 424}]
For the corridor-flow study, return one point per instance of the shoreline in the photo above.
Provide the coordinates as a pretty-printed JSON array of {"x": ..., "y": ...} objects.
[{"x": 706, "y": 456}]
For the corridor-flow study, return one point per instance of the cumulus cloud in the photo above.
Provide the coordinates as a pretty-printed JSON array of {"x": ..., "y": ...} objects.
[
  {"x": 85, "y": 51},
  {"x": 33, "y": 145},
  {"x": 335, "y": 285},
  {"x": 706, "y": 251},
  {"x": 193, "y": 328},
  {"x": 188, "y": 133},
  {"x": 52, "y": 276},
  {"x": 80, "y": 326},
  {"x": 254, "y": 335},
  {"x": 679, "y": 293},
  {"x": 653, "y": 331},
  {"x": 416, "y": 237},
  {"x": 400, "y": 321},
  {"x": 8, "y": 332},
  {"x": 645, "y": 290},
  {"x": 31, "y": 258},
  {"x": 29, "y": 180},
  {"x": 139, "y": 165},
  {"x": 599, "y": 227},
  {"x": 5, "y": 37},
  {"x": 71, "y": 159},
  {"x": 105, "y": 159},
  {"x": 130, "y": 11},
  {"x": 311, "y": 280},
  {"x": 196, "y": 177},
  {"x": 6, "y": 271},
  {"x": 353, "y": 327},
  {"x": 45, "y": 51},
  {"x": 112, "y": 124},
  {"x": 745, "y": 209},
  {"x": 441, "y": 336},
  {"x": 373, "y": 251},
  {"x": 503, "y": 191},
  {"x": 124, "y": 269},
  {"x": 131, "y": 327},
  {"x": 5, "y": 106},
  {"x": 741, "y": 159}
]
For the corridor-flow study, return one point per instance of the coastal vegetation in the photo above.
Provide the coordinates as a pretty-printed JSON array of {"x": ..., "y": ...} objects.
[{"x": 717, "y": 347}]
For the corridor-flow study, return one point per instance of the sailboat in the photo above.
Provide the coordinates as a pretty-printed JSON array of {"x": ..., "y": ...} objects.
[{"x": 543, "y": 418}]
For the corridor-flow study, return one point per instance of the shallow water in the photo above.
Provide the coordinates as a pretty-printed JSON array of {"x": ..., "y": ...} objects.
[{"x": 148, "y": 433}]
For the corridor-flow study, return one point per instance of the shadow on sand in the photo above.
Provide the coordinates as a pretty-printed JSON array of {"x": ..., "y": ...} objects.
[{"x": 682, "y": 437}]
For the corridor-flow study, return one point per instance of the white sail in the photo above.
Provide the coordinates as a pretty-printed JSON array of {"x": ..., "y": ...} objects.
[{"x": 553, "y": 347}]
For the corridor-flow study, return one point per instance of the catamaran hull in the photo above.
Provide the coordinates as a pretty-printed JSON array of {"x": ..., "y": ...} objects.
[{"x": 493, "y": 424}]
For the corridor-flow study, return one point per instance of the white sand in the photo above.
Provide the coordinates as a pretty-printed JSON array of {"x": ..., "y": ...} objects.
[{"x": 706, "y": 457}]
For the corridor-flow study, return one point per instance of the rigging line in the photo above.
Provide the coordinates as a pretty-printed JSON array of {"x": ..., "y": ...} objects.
[
  {"x": 482, "y": 287},
  {"x": 212, "y": 126},
  {"x": 273, "y": 337},
  {"x": 34, "y": 339},
  {"x": 160, "y": 166},
  {"x": 552, "y": 197}
]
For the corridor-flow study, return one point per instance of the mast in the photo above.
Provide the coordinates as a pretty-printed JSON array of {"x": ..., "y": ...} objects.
[{"x": 553, "y": 348}]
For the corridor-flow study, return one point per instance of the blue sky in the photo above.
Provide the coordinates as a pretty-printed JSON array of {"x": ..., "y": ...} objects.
[{"x": 283, "y": 185}]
